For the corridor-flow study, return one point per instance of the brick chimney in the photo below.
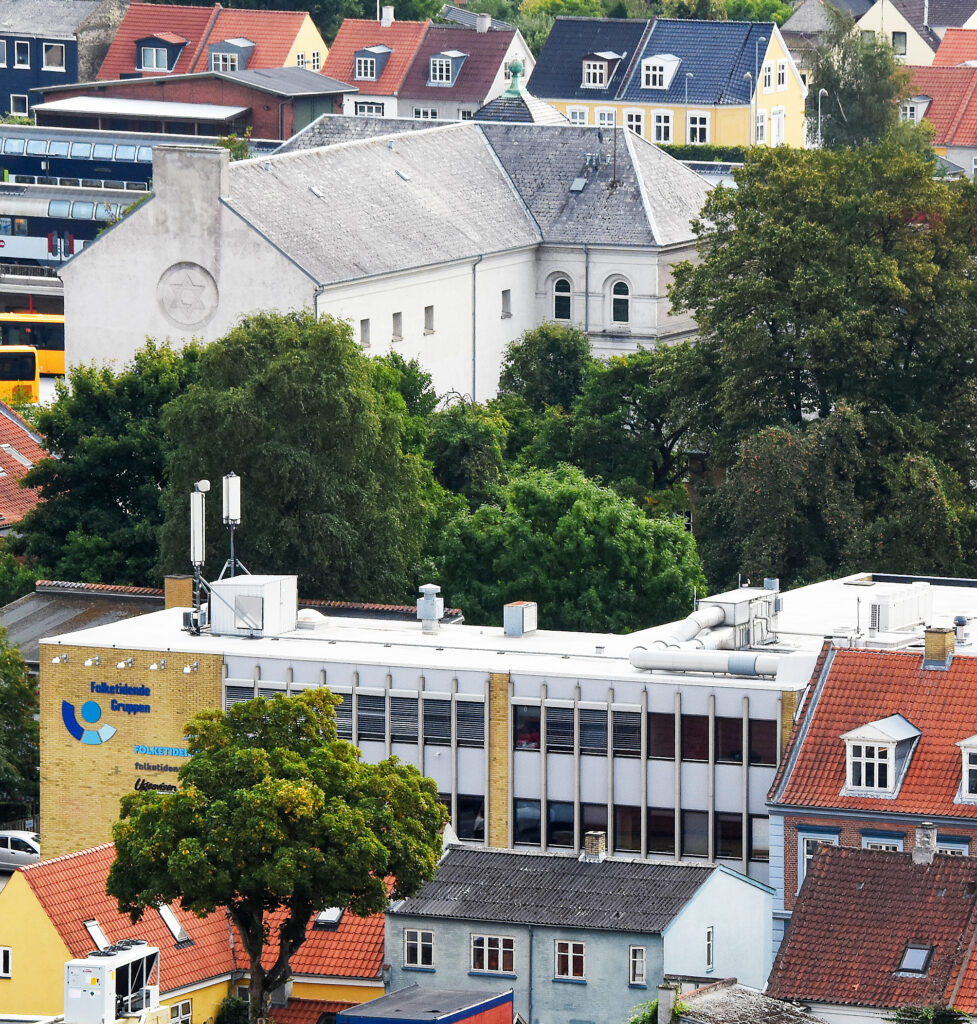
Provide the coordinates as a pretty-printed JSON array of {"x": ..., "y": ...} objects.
[
  {"x": 939, "y": 646},
  {"x": 594, "y": 847},
  {"x": 925, "y": 846},
  {"x": 386, "y": 17}
]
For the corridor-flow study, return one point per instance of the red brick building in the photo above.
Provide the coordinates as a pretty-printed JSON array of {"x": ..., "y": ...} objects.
[{"x": 883, "y": 741}]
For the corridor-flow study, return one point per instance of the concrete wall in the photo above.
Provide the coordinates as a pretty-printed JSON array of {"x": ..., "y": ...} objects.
[
  {"x": 95, "y": 35},
  {"x": 603, "y": 996}
]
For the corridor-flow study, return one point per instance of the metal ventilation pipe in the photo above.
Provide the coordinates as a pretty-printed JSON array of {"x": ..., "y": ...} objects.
[
  {"x": 734, "y": 663},
  {"x": 690, "y": 627}
]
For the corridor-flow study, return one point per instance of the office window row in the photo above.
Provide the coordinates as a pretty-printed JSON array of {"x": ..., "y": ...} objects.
[
  {"x": 470, "y": 823},
  {"x": 407, "y": 715},
  {"x": 728, "y": 834},
  {"x": 625, "y": 738}
]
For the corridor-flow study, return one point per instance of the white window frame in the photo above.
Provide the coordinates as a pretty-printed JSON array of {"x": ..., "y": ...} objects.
[
  {"x": 420, "y": 938},
  {"x": 440, "y": 71},
  {"x": 568, "y": 295},
  {"x": 18, "y": 63},
  {"x": 316, "y": 61},
  {"x": 300, "y": 59},
  {"x": 908, "y": 111},
  {"x": 154, "y": 64},
  {"x": 6, "y": 962},
  {"x": 760, "y": 130},
  {"x": 653, "y": 75},
  {"x": 605, "y": 117},
  {"x": 429, "y": 319},
  {"x": 778, "y": 119},
  {"x": 953, "y": 847},
  {"x": 594, "y": 74},
  {"x": 45, "y": 66},
  {"x": 638, "y": 966},
  {"x": 635, "y": 116},
  {"x": 968, "y": 794},
  {"x": 172, "y": 923},
  {"x": 3, "y": 53},
  {"x": 888, "y": 844},
  {"x": 807, "y": 844},
  {"x": 425, "y": 113},
  {"x": 701, "y": 115},
  {"x": 466, "y": 115},
  {"x": 96, "y": 934},
  {"x": 867, "y": 756},
  {"x": 710, "y": 949},
  {"x": 25, "y": 112},
  {"x": 781, "y": 75},
  {"x": 663, "y": 127},
  {"x": 573, "y": 951},
  {"x": 502, "y": 945},
  {"x": 365, "y": 69},
  {"x": 368, "y": 108},
  {"x": 578, "y": 115},
  {"x": 223, "y": 61},
  {"x": 767, "y": 73},
  {"x": 181, "y": 1012},
  {"x": 627, "y": 298}
]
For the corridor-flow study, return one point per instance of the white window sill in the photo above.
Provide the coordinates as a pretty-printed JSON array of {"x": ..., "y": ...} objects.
[
  {"x": 431, "y": 331},
  {"x": 46, "y": 68}
]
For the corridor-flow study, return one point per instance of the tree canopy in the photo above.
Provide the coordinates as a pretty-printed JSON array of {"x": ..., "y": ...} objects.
[
  {"x": 19, "y": 752},
  {"x": 546, "y": 366},
  {"x": 276, "y": 816}
]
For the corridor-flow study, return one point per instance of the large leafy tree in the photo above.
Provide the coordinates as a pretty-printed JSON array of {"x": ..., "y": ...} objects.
[
  {"x": 863, "y": 83},
  {"x": 590, "y": 558},
  {"x": 276, "y": 819},
  {"x": 466, "y": 446},
  {"x": 100, "y": 513},
  {"x": 545, "y": 366},
  {"x": 330, "y": 491},
  {"x": 19, "y": 753}
]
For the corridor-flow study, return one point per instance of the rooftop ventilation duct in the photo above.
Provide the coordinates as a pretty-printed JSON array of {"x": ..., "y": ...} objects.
[
  {"x": 734, "y": 663},
  {"x": 430, "y": 607}
]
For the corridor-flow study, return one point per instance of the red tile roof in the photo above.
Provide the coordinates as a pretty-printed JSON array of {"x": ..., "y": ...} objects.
[
  {"x": 957, "y": 45},
  {"x": 486, "y": 52},
  {"x": 114, "y": 589},
  {"x": 953, "y": 110},
  {"x": 306, "y": 1011},
  {"x": 272, "y": 32},
  {"x": 71, "y": 889},
  {"x": 856, "y": 913},
  {"x": 863, "y": 686},
  {"x": 403, "y": 38},
  {"x": 17, "y": 501}
]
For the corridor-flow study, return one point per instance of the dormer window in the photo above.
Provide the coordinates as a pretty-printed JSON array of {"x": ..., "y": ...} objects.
[
  {"x": 441, "y": 70},
  {"x": 878, "y": 754},
  {"x": 445, "y": 67},
  {"x": 594, "y": 74},
  {"x": 968, "y": 784},
  {"x": 223, "y": 61},
  {"x": 654, "y": 77},
  {"x": 658, "y": 71},
  {"x": 154, "y": 58},
  {"x": 366, "y": 68},
  {"x": 368, "y": 63},
  {"x": 159, "y": 52}
]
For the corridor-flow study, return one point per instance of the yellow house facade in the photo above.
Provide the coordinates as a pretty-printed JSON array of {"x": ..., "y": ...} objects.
[
  {"x": 888, "y": 22},
  {"x": 309, "y": 49},
  {"x": 715, "y": 83}
]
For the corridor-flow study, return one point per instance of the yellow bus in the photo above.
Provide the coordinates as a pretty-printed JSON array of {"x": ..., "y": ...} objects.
[
  {"x": 20, "y": 375},
  {"x": 42, "y": 331}
]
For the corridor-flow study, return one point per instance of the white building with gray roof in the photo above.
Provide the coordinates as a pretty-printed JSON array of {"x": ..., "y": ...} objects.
[{"x": 444, "y": 244}]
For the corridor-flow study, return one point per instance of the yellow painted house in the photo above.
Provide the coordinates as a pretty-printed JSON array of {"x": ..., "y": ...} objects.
[
  {"x": 58, "y": 910},
  {"x": 725, "y": 83}
]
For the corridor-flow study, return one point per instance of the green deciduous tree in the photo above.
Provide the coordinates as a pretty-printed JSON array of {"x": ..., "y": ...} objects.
[
  {"x": 546, "y": 366},
  {"x": 19, "y": 752},
  {"x": 100, "y": 513},
  {"x": 590, "y": 558},
  {"x": 330, "y": 489},
  {"x": 864, "y": 84},
  {"x": 758, "y": 10},
  {"x": 466, "y": 445},
  {"x": 275, "y": 816}
]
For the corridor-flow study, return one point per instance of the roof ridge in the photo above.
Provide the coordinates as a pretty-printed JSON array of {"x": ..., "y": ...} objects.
[
  {"x": 211, "y": 22},
  {"x": 639, "y": 177},
  {"x": 636, "y": 56},
  {"x": 37, "y": 865}
]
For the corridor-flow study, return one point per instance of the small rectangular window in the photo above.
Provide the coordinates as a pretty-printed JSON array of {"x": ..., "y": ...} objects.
[
  {"x": 525, "y": 727},
  {"x": 627, "y": 829},
  {"x": 695, "y": 834},
  {"x": 366, "y": 68},
  {"x": 729, "y": 835},
  {"x": 182, "y": 1012},
  {"x": 661, "y": 830},
  {"x": 526, "y": 817},
  {"x": 559, "y": 823},
  {"x": 344, "y": 717},
  {"x": 661, "y": 735},
  {"x": 425, "y": 113},
  {"x": 371, "y": 717},
  {"x": 96, "y": 934},
  {"x": 759, "y": 837},
  {"x": 316, "y": 61},
  {"x": 593, "y": 731},
  {"x": 170, "y": 920},
  {"x": 5, "y": 957},
  {"x": 578, "y": 115},
  {"x": 627, "y": 733},
  {"x": 638, "y": 970},
  {"x": 53, "y": 54},
  {"x": 559, "y": 730},
  {"x": 441, "y": 70},
  {"x": 429, "y": 319},
  {"x": 781, "y": 74},
  {"x": 437, "y": 721},
  {"x": 398, "y": 327},
  {"x": 570, "y": 960},
  {"x": 81, "y": 150},
  {"x": 470, "y": 723},
  {"x": 695, "y": 737},
  {"x": 22, "y": 54},
  {"x": 365, "y": 333},
  {"x": 763, "y": 741},
  {"x": 3, "y": 53},
  {"x": 103, "y": 151},
  {"x": 223, "y": 62},
  {"x": 418, "y": 948},
  {"x": 300, "y": 60},
  {"x": 403, "y": 719},
  {"x": 729, "y": 740},
  {"x": 18, "y": 105},
  {"x": 37, "y": 147},
  {"x": 899, "y": 43},
  {"x": 471, "y": 817},
  {"x": 507, "y": 301},
  {"x": 710, "y": 948},
  {"x": 493, "y": 954}
]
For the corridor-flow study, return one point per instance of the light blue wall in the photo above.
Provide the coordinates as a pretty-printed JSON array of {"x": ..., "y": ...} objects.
[
  {"x": 604, "y": 998},
  {"x": 739, "y": 912}
]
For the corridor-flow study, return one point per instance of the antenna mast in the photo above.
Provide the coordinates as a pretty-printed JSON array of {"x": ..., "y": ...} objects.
[
  {"x": 232, "y": 520},
  {"x": 198, "y": 548}
]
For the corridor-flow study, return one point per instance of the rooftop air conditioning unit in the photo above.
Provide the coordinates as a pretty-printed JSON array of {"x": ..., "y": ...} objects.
[
  {"x": 901, "y": 608},
  {"x": 118, "y": 981}
]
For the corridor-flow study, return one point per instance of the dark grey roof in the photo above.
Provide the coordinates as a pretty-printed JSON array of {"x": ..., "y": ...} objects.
[
  {"x": 557, "y": 890},
  {"x": 647, "y": 199},
  {"x": 418, "y": 1004},
  {"x": 57, "y": 18},
  {"x": 469, "y": 19},
  {"x": 289, "y": 81},
  {"x": 520, "y": 108},
  {"x": 725, "y": 1002},
  {"x": 331, "y": 129}
]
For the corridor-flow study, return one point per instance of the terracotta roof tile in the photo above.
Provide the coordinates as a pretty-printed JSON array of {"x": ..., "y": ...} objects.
[
  {"x": 953, "y": 110},
  {"x": 71, "y": 889},
  {"x": 403, "y": 38},
  {"x": 60, "y": 586},
  {"x": 863, "y": 686},
  {"x": 306, "y": 1011},
  {"x": 856, "y": 913},
  {"x": 272, "y": 32},
  {"x": 957, "y": 46},
  {"x": 486, "y": 52},
  {"x": 19, "y": 444}
]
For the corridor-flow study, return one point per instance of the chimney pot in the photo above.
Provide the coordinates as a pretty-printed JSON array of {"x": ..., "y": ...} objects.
[
  {"x": 483, "y": 23},
  {"x": 925, "y": 847},
  {"x": 386, "y": 17},
  {"x": 939, "y": 645},
  {"x": 594, "y": 847}
]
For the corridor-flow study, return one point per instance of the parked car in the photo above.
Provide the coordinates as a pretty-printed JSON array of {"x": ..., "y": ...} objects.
[{"x": 17, "y": 849}]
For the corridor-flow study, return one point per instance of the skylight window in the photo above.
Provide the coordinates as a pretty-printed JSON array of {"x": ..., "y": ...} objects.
[
  {"x": 169, "y": 919},
  {"x": 13, "y": 453},
  {"x": 329, "y": 918},
  {"x": 916, "y": 958},
  {"x": 94, "y": 930}
]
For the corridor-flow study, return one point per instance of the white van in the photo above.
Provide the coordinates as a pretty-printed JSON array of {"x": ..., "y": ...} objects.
[{"x": 18, "y": 849}]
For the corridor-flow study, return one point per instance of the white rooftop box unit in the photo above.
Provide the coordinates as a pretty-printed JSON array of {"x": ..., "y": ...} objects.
[
  {"x": 519, "y": 617},
  {"x": 114, "y": 982},
  {"x": 254, "y": 605},
  {"x": 900, "y": 608}
]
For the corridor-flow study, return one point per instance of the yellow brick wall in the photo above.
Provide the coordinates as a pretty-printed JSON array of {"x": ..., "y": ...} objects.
[
  {"x": 335, "y": 991},
  {"x": 498, "y": 755},
  {"x": 81, "y": 784},
  {"x": 788, "y": 707}
]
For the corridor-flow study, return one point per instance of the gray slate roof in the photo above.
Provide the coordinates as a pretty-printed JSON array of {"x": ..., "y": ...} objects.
[
  {"x": 57, "y": 18},
  {"x": 725, "y": 1002},
  {"x": 419, "y": 1004},
  {"x": 469, "y": 19},
  {"x": 520, "y": 108},
  {"x": 383, "y": 205},
  {"x": 289, "y": 81},
  {"x": 330, "y": 129},
  {"x": 556, "y": 890}
]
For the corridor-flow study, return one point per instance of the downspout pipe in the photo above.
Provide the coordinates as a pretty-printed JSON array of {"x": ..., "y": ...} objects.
[
  {"x": 475, "y": 327},
  {"x": 529, "y": 1007},
  {"x": 586, "y": 288},
  {"x": 734, "y": 663}
]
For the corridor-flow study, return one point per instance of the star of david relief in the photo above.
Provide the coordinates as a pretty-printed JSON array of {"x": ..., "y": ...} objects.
[{"x": 187, "y": 295}]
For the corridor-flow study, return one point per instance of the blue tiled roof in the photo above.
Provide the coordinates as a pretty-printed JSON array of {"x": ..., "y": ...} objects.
[
  {"x": 717, "y": 53},
  {"x": 559, "y": 69}
]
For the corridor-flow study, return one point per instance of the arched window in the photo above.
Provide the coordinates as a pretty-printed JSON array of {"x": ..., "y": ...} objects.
[
  {"x": 561, "y": 299},
  {"x": 621, "y": 303}
]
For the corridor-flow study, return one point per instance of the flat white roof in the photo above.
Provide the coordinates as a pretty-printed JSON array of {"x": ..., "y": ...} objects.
[{"x": 107, "y": 106}]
